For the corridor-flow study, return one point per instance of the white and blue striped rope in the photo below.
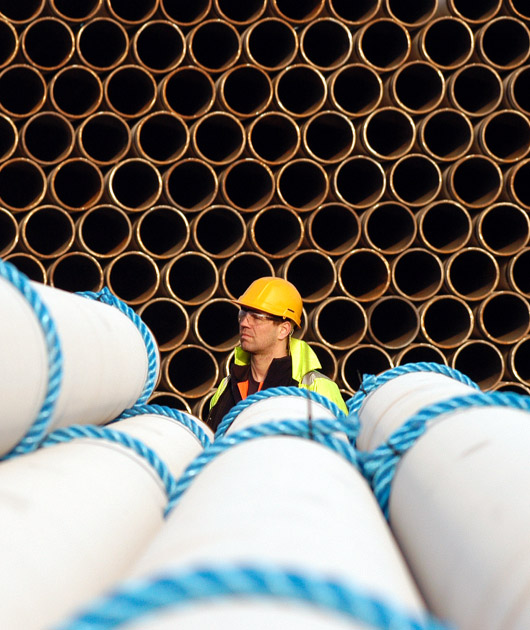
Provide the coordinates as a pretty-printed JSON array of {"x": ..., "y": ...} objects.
[
  {"x": 109, "y": 298},
  {"x": 67, "y": 434},
  {"x": 318, "y": 430},
  {"x": 373, "y": 381},
  {"x": 137, "y": 599},
  {"x": 271, "y": 393},
  {"x": 40, "y": 425},
  {"x": 179, "y": 416},
  {"x": 379, "y": 466}
]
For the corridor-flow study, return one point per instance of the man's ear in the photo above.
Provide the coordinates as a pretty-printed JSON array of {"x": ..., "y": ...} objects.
[{"x": 285, "y": 329}]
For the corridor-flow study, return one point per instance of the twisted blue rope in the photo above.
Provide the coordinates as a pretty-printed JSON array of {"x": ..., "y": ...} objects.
[
  {"x": 373, "y": 381},
  {"x": 271, "y": 393},
  {"x": 379, "y": 465},
  {"x": 181, "y": 417},
  {"x": 107, "y": 297},
  {"x": 60, "y": 436},
  {"x": 55, "y": 360},
  {"x": 318, "y": 430},
  {"x": 139, "y": 598}
]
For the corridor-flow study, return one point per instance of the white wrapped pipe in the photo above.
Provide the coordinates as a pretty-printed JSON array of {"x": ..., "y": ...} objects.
[
  {"x": 75, "y": 516},
  {"x": 66, "y": 359}
]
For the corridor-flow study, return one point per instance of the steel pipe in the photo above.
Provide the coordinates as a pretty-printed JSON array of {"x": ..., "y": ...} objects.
[
  {"x": 214, "y": 45},
  {"x": 445, "y": 134},
  {"x": 76, "y": 184},
  {"x": 327, "y": 359},
  {"x": 273, "y": 137},
  {"x": 239, "y": 271},
  {"x": 503, "y": 43},
  {"x": 218, "y": 137},
  {"x": 131, "y": 13},
  {"x": 444, "y": 226},
  {"x": 417, "y": 274},
  {"x": 387, "y": 133},
  {"x": 256, "y": 43},
  {"x": 9, "y": 43},
  {"x": 23, "y": 90},
  {"x": 473, "y": 180},
  {"x": 515, "y": 273},
  {"x": 446, "y": 321},
  {"x": 411, "y": 16},
  {"x": 169, "y": 399},
  {"x": 312, "y": 272},
  {"x": 415, "y": 179},
  {"x": 333, "y": 228},
  {"x": 503, "y": 317},
  {"x": 355, "y": 89},
  {"x": 247, "y": 184},
  {"x": 481, "y": 361},
  {"x": 21, "y": 12},
  {"x": 244, "y": 90},
  {"x": 504, "y": 135},
  {"x": 472, "y": 12},
  {"x": 102, "y": 43},
  {"x": 190, "y": 185},
  {"x": 76, "y": 271},
  {"x": 201, "y": 408},
  {"x": 168, "y": 320},
  {"x": 296, "y": 12},
  {"x": 218, "y": 231},
  {"x": 326, "y": 43},
  {"x": 417, "y": 87},
  {"x": 80, "y": 11},
  {"x": 190, "y": 371},
  {"x": 517, "y": 89},
  {"x": 29, "y": 265},
  {"x": 184, "y": 13},
  {"x": 214, "y": 325},
  {"x": 430, "y": 42},
  {"x": 9, "y": 137},
  {"x": 503, "y": 229},
  {"x": 471, "y": 273},
  {"x": 300, "y": 90},
  {"x": 512, "y": 386},
  {"x": 160, "y": 137},
  {"x": 103, "y": 137},
  {"x": 47, "y": 43},
  {"x": 239, "y": 13},
  {"x": 519, "y": 8},
  {"x": 187, "y": 91},
  {"x": 75, "y": 91},
  {"x": 191, "y": 278},
  {"x": 389, "y": 227},
  {"x": 22, "y": 184},
  {"x": 328, "y": 137},
  {"x": 158, "y": 46},
  {"x": 359, "y": 181},
  {"x": 47, "y": 232},
  {"x": 516, "y": 183},
  {"x": 338, "y": 322},
  {"x": 9, "y": 232},
  {"x": 302, "y": 184},
  {"x": 420, "y": 352},
  {"x": 47, "y": 137},
  {"x": 368, "y": 48},
  {"x": 476, "y": 89},
  {"x": 130, "y": 91},
  {"x": 133, "y": 277},
  {"x": 134, "y": 184},
  {"x": 393, "y": 322},
  {"x": 360, "y": 360},
  {"x": 161, "y": 232},
  {"x": 104, "y": 231},
  {"x": 354, "y": 13},
  {"x": 363, "y": 274},
  {"x": 518, "y": 361}
]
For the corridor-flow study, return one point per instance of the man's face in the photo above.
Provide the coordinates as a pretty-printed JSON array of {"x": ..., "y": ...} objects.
[{"x": 258, "y": 332}]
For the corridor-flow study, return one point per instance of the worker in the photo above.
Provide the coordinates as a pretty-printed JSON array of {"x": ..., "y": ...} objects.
[{"x": 268, "y": 355}]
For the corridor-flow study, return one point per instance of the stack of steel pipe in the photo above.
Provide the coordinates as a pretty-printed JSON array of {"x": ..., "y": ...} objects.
[{"x": 376, "y": 155}]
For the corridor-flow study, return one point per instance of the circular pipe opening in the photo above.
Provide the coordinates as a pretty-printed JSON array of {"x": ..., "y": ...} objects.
[
  {"x": 76, "y": 271},
  {"x": 312, "y": 273},
  {"x": 22, "y": 90},
  {"x": 9, "y": 43},
  {"x": 417, "y": 87},
  {"x": 339, "y": 322},
  {"x": 363, "y": 274},
  {"x": 190, "y": 278},
  {"x": 22, "y": 184},
  {"x": 503, "y": 43},
  {"x": 76, "y": 91},
  {"x": 395, "y": 51},
  {"x": 190, "y": 371},
  {"x": 8, "y": 137},
  {"x": 169, "y": 399},
  {"x": 214, "y": 45},
  {"x": 472, "y": 273},
  {"x": 389, "y": 227},
  {"x": 417, "y": 274},
  {"x": 411, "y": 15},
  {"x": 21, "y": 12},
  {"x": 328, "y": 137},
  {"x": 517, "y": 89},
  {"x": 47, "y": 231},
  {"x": 476, "y": 89},
  {"x": 218, "y": 137},
  {"x": 102, "y": 43},
  {"x": 78, "y": 11},
  {"x": 103, "y": 138},
  {"x": 133, "y": 277},
  {"x": 237, "y": 12},
  {"x": 104, "y": 231},
  {"x": 505, "y": 136},
  {"x": 415, "y": 179},
  {"x": 503, "y": 317},
  {"x": 517, "y": 183},
  {"x": 47, "y": 138},
  {"x": 162, "y": 232},
  {"x": 134, "y": 184},
  {"x": 159, "y": 46},
  {"x": 474, "y": 180},
  {"x": 326, "y": 43},
  {"x": 519, "y": 360},
  {"x": 29, "y": 266},
  {"x": 219, "y": 231},
  {"x": 8, "y": 232},
  {"x": 256, "y": 43},
  {"x": 302, "y": 184},
  {"x": 361, "y": 360},
  {"x": 446, "y": 321},
  {"x": 503, "y": 229},
  {"x": 185, "y": 13},
  {"x": 298, "y": 12},
  {"x": 215, "y": 325},
  {"x": 191, "y": 185},
  {"x": 187, "y": 91},
  {"x": 245, "y": 90},
  {"x": 481, "y": 361},
  {"x": 130, "y": 91},
  {"x": 239, "y": 271},
  {"x": 354, "y": 13},
  {"x": 518, "y": 272},
  {"x": 300, "y": 90},
  {"x": 131, "y": 13},
  {"x": 431, "y": 42},
  {"x": 76, "y": 184},
  {"x": 47, "y": 43},
  {"x": 161, "y": 137},
  {"x": 473, "y": 12},
  {"x": 276, "y": 232},
  {"x": 359, "y": 181},
  {"x": 419, "y": 353},
  {"x": 444, "y": 226},
  {"x": 388, "y": 133},
  {"x": 247, "y": 185},
  {"x": 393, "y": 322},
  {"x": 445, "y": 134},
  {"x": 274, "y": 138},
  {"x": 167, "y": 320},
  {"x": 355, "y": 89},
  {"x": 333, "y": 228}
]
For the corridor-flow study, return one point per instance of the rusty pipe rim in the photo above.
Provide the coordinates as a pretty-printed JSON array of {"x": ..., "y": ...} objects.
[
  {"x": 160, "y": 137},
  {"x": 512, "y": 386},
  {"x": 191, "y": 184},
  {"x": 274, "y": 138},
  {"x": 445, "y": 134},
  {"x": 47, "y": 232},
  {"x": 117, "y": 9},
  {"x": 367, "y": 44},
  {"x": 218, "y": 231},
  {"x": 276, "y": 232},
  {"x": 420, "y": 352},
  {"x": 325, "y": 43},
  {"x": 244, "y": 90},
  {"x": 76, "y": 271},
  {"x": 474, "y": 13},
  {"x": 242, "y": 15},
  {"x": 29, "y": 265},
  {"x": 159, "y": 46},
  {"x": 300, "y": 90},
  {"x": 328, "y": 362},
  {"x": 328, "y": 137},
  {"x": 344, "y": 236},
  {"x": 417, "y": 274},
  {"x": 184, "y": 15},
  {"x": 104, "y": 138},
  {"x": 355, "y": 89},
  {"x": 76, "y": 184},
  {"x": 270, "y": 58},
  {"x": 363, "y": 274},
  {"x": 134, "y": 184},
  {"x": 444, "y": 226},
  {"x": 338, "y": 322},
  {"x": 11, "y": 42},
  {"x": 471, "y": 273},
  {"x": 22, "y": 13},
  {"x": 240, "y": 270},
  {"x": 502, "y": 228},
  {"x": 504, "y": 136},
  {"x": 122, "y": 86},
  {"x": 302, "y": 184},
  {"x": 515, "y": 181},
  {"x": 354, "y": 13},
  {"x": 204, "y": 44},
  {"x": 75, "y": 91},
  {"x": 215, "y": 326},
  {"x": 104, "y": 231},
  {"x": 22, "y": 184},
  {"x": 247, "y": 184},
  {"x": 47, "y": 137},
  {"x": 9, "y": 232},
  {"x": 417, "y": 87},
  {"x": 446, "y": 321},
  {"x": 47, "y": 43},
  {"x": 23, "y": 79},
  {"x": 517, "y": 360},
  {"x": 181, "y": 369},
  {"x": 515, "y": 274},
  {"x": 515, "y": 36},
  {"x": 481, "y": 360},
  {"x": 363, "y": 359},
  {"x": 415, "y": 179},
  {"x": 476, "y": 89},
  {"x": 161, "y": 232},
  {"x": 169, "y": 399},
  {"x": 428, "y": 43},
  {"x": 191, "y": 278},
  {"x": 387, "y": 133},
  {"x": 218, "y": 138},
  {"x": 389, "y": 227},
  {"x": 167, "y": 319},
  {"x": 82, "y": 11},
  {"x": 359, "y": 181},
  {"x": 393, "y": 322},
  {"x": 312, "y": 272},
  {"x": 473, "y": 180},
  {"x": 516, "y": 89},
  {"x": 187, "y": 91},
  {"x": 518, "y": 8},
  {"x": 295, "y": 13},
  {"x": 133, "y": 277},
  {"x": 9, "y": 137},
  {"x": 503, "y": 317},
  {"x": 102, "y": 43},
  {"x": 411, "y": 17}
]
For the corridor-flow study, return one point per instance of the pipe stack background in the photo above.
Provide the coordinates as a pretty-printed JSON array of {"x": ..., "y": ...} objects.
[{"x": 376, "y": 156}]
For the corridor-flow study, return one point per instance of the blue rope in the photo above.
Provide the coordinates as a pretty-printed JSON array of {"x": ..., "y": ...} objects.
[
  {"x": 373, "y": 381},
  {"x": 60, "y": 436},
  {"x": 318, "y": 430},
  {"x": 139, "y": 598},
  {"x": 271, "y": 393},
  {"x": 379, "y": 465},
  {"x": 55, "y": 360},
  {"x": 107, "y": 297},
  {"x": 181, "y": 417}
]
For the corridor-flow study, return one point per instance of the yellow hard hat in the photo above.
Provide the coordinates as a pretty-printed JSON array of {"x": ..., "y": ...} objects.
[{"x": 274, "y": 296}]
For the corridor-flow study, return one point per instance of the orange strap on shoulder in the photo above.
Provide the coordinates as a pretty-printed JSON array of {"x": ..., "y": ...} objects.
[{"x": 243, "y": 388}]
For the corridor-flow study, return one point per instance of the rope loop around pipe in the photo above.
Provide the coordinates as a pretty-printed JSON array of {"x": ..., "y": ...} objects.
[
  {"x": 67, "y": 434},
  {"x": 318, "y": 430},
  {"x": 37, "y": 431},
  {"x": 379, "y": 466},
  {"x": 282, "y": 391},
  {"x": 373, "y": 381},
  {"x": 135, "y": 599},
  {"x": 153, "y": 363},
  {"x": 175, "y": 414}
]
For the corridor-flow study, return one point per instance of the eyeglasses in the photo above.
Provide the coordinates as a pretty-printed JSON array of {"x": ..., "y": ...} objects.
[{"x": 256, "y": 317}]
